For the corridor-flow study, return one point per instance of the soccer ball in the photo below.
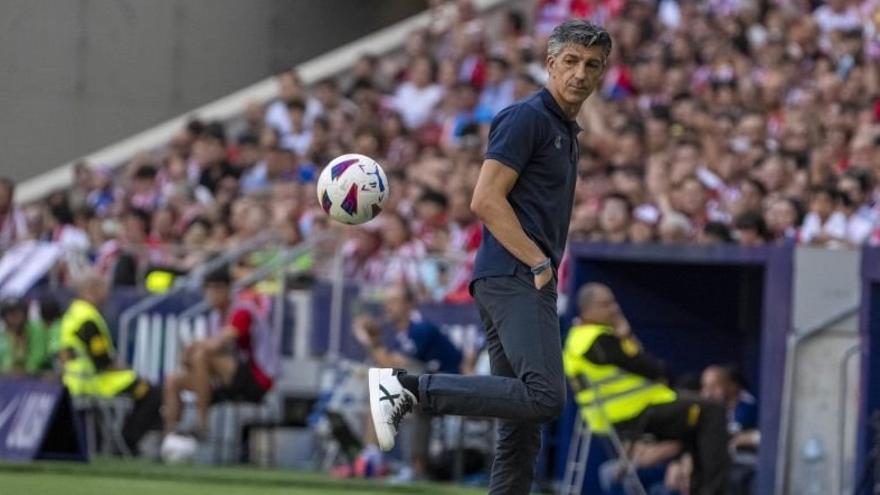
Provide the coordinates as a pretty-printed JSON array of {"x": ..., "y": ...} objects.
[
  {"x": 352, "y": 189},
  {"x": 178, "y": 449}
]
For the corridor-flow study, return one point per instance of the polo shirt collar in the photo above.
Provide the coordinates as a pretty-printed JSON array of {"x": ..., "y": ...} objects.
[
  {"x": 551, "y": 104},
  {"x": 554, "y": 108}
]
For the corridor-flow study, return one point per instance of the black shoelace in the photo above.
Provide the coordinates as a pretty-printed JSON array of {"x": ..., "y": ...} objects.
[{"x": 406, "y": 405}]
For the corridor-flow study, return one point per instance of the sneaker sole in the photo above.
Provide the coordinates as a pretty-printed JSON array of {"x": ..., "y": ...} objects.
[{"x": 384, "y": 432}]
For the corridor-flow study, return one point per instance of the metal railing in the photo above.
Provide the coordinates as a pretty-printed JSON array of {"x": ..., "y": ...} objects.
[
  {"x": 793, "y": 344},
  {"x": 164, "y": 335},
  {"x": 841, "y": 422},
  {"x": 190, "y": 281}
]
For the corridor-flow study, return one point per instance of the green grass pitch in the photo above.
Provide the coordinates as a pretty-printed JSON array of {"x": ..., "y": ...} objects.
[{"x": 118, "y": 477}]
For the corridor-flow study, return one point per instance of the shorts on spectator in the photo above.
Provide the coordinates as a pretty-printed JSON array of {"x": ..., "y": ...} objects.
[{"x": 244, "y": 386}]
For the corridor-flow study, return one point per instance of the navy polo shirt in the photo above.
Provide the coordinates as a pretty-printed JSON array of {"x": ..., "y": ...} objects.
[
  {"x": 425, "y": 343},
  {"x": 537, "y": 140}
]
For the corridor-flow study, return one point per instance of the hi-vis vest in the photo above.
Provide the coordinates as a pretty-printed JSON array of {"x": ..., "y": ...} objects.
[
  {"x": 621, "y": 395},
  {"x": 80, "y": 375}
]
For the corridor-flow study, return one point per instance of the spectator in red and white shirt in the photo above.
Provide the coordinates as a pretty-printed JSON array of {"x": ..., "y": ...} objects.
[
  {"x": 237, "y": 361},
  {"x": 401, "y": 252}
]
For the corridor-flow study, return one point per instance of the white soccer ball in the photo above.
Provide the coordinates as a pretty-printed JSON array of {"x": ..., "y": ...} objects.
[
  {"x": 353, "y": 189},
  {"x": 178, "y": 449}
]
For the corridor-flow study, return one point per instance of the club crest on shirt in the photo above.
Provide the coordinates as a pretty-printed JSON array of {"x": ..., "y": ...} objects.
[{"x": 558, "y": 142}]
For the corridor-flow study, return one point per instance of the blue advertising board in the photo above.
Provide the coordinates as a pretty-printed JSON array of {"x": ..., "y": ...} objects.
[{"x": 37, "y": 422}]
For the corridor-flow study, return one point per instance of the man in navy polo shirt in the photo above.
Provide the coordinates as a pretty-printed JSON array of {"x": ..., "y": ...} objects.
[
  {"x": 414, "y": 338},
  {"x": 524, "y": 198}
]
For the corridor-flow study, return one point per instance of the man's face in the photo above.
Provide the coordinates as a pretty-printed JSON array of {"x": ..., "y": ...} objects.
[
  {"x": 714, "y": 385},
  {"x": 603, "y": 308},
  {"x": 208, "y": 150},
  {"x": 142, "y": 185},
  {"x": 297, "y": 117},
  {"x": 396, "y": 305},
  {"x": 250, "y": 154},
  {"x": 583, "y": 222},
  {"x": 641, "y": 232},
  {"x": 657, "y": 133},
  {"x": 134, "y": 228},
  {"x": 627, "y": 183},
  {"x": 850, "y": 187},
  {"x": 780, "y": 216},
  {"x": 614, "y": 216},
  {"x": 277, "y": 161},
  {"x": 753, "y": 128},
  {"x": 576, "y": 72},
  {"x": 822, "y": 204},
  {"x": 750, "y": 197},
  {"x": 495, "y": 72},
  {"x": 421, "y": 72},
  {"x": 693, "y": 198},
  {"x": 688, "y": 154},
  {"x": 217, "y": 294},
  {"x": 326, "y": 94}
]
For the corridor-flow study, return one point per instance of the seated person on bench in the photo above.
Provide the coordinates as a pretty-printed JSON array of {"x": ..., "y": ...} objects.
[
  {"x": 236, "y": 362},
  {"x": 726, "y": 385},
  {"x": 618, "y": 385},
  {"x": 416, "y": 342}
]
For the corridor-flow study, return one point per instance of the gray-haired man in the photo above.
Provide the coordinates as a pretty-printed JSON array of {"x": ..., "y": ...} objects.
[{"x": 524, "y": 198}]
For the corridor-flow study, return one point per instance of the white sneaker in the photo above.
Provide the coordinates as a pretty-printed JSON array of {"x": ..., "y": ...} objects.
[{"x": 389, "y": 403}]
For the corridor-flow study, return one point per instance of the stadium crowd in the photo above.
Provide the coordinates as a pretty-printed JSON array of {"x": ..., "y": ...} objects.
[
  {"x": 720, "y": 121},
  {"x": 746, "y": 122}
]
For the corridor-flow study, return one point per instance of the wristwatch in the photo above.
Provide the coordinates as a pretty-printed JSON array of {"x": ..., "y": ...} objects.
[{"x": 541, "y": 267}]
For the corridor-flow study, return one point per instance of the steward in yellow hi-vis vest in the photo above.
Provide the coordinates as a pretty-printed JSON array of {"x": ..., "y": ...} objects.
[
  {"x": 622, "y": 394},
  {"x": 616, "y": 383},
  {"x": 89, "y": 366}
]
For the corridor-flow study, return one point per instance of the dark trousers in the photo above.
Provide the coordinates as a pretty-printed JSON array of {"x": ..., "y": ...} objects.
[
  {"x": 702, "y": 428},
  {"x": 144, "y": 415},
  {"x": 527, "y": 386}
]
